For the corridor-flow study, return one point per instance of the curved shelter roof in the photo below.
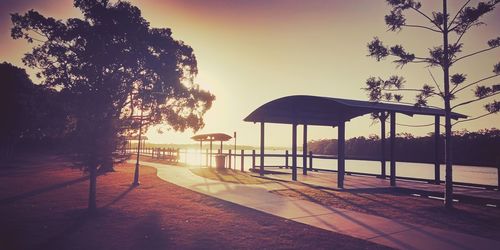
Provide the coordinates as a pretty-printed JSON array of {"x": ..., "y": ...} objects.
[
  {"x": 328, "y": 111},
  {"x": 212, "y": 137}
]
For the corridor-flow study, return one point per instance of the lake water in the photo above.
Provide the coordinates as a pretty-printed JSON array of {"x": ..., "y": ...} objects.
[{"x": 468, "y": 174}]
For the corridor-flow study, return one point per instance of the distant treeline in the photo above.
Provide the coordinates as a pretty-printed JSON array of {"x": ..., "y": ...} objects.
[{"x": 469, "y": 148}]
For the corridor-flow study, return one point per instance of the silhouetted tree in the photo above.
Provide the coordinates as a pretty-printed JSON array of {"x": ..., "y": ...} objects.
[
  {"x": 29, "y": 112},
  {"x": 445, "y": 56},
  {"x": 112, "y": 66},
  {"x": 15, "y": 106}
]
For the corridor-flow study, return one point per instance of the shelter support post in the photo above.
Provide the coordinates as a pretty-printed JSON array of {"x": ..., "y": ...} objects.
[
  {"x": 242, "y": 161},
  {"x": 383, "y": 174},
  {"x": 304, "y": 151},
  {"x": 211, "y": 153},
  {"x": 229, "y": 159},
  {"x": 393, "y": 148},
  {"x": 437, "y": 162},
  {"x": 261, "y": 169},
  {"x": 253, "y": 159},
  {"x": 341, "y": 155},
  {"x": 294, "y": 152}
]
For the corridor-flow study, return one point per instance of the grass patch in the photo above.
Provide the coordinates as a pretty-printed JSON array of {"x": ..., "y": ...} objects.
[
  {"x": 43, "y": 201},
  {"x": 228, "y": 175}
]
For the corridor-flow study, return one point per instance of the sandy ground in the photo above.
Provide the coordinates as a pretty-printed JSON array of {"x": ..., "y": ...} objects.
[{"x": 43, "y": 201}]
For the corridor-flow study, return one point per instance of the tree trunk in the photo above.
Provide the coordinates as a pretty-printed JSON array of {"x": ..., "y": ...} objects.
[
  {"x": 92, "y": 188},
  {"x": 107, "y": 165},
  {"x": 448, "y": 196}
]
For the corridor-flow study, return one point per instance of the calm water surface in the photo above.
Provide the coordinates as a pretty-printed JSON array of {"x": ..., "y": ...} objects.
[{"x": 468, "y": 174}]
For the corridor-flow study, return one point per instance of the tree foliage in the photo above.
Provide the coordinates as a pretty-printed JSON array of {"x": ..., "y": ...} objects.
[
  {"x": 116, "y": 72},
  {"x": 30, "y": 113},
  {"x": 465, "y": 19}
]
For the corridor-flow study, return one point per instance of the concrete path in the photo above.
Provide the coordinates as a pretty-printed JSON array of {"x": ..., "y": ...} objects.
[{"x": 364, "y": 226}]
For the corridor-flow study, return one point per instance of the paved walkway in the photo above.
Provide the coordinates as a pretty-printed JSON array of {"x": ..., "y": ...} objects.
[{"x": 368, "y": 227}]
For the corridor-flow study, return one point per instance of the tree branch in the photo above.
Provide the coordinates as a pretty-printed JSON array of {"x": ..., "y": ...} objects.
[
  {"x": 472, "y": 54},
  {"x": 426, "y": 16},
  {"x": 414, "y": 90},
  {"x": 38, "y": 33},
  {"x": 36, "y": 39},
  {"x": 472, "y": 83},
  {"x": 472, "y": 119},
  {"x": 458, "y": 12},
  {"x": 422, "y": 27},
  {"x": 475, "y": 100},
  {"x": 435, "y": 82},
  {"x": 461, "y": 35}
]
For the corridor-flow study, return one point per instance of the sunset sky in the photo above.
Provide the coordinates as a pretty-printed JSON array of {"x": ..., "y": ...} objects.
[{"x": 252, "y": 52}]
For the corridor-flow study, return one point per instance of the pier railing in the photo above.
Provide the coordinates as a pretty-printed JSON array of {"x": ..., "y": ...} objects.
[{"x": 233, "y": 159}]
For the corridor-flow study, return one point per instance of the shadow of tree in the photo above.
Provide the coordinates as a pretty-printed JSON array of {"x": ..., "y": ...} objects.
[
  {"x": 121, "y": 196},
  {"x": 396, "y": 203},
  {"x": 42, "y": 190}
]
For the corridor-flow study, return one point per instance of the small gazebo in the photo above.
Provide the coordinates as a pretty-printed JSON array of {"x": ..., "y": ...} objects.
[
  {"x": 141, "y": 141},
  {"x": 211, "y": 138}
]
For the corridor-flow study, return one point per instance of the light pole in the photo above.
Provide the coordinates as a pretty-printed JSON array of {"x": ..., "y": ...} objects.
[{"x": 136, "y": 173}]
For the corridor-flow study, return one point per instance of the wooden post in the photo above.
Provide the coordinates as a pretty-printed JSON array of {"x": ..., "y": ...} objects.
[
  {"x": 294, "y": 152},
  {"x": 498, "y": 176},
  {"x": 286, "y": 159},
  {"x": 253, "y": 159},
  {"x": 201, "y": 152},
  {"x": 211, "y": 141},
  {"x": 235, "y": 152},
  {"x": 242, "y": 166},
  {"x": 341, "y": 155},
  {"x": 261, "y": 169},
  {"x": 311, "y": 160},
  {"x": 304, "y": 151},
  {"x": 206, "y": 157},
  {"x": 393, "y": 148},
  {"x": 383, "y": 174},
  {"x": 185, "y": 155},
  {"x": 437, "y": 162},
  {"x": 229, "y": 160}
]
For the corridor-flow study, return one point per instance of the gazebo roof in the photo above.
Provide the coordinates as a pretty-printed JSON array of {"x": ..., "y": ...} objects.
[
  {"x": 212, "y": 137},
  {"x": 328, "y": 111}
]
